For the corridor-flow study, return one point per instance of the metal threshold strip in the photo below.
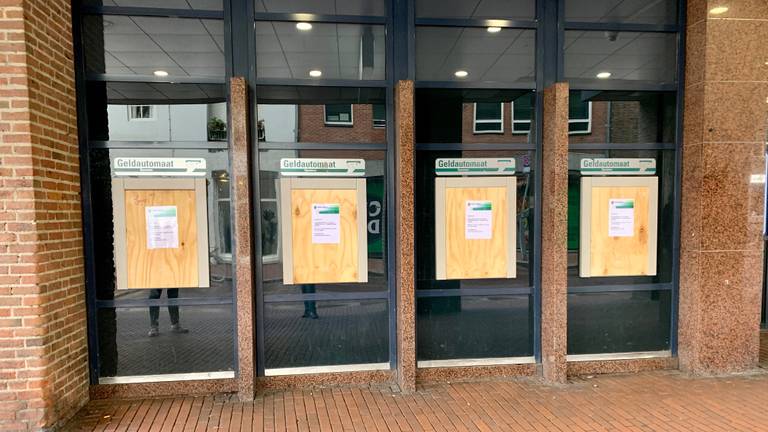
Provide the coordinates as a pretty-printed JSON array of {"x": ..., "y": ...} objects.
[
  {"x": 196, "y": 376},
  {"x": 326, "y": 369},
  {"x": 493, "y": 361},
  {"x": 619, "y": 356}
]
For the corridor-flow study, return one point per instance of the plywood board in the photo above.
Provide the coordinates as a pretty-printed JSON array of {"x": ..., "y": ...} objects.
[
  {"x": 338, "y": 257},
  {"x": 618, "y": 226},
  {"x": 142, "y": 264},
  {"x": 471, "y": 250}
]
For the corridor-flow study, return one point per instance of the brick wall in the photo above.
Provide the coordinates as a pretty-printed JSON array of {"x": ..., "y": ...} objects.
[
  {"x": 312, "y": 127},
  {"x": 43, "y": 350}
]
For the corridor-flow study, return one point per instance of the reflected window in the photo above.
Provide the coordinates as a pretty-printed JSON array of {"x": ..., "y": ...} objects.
[
  {"x": 579, "y": 116},
  {"x": 379, "y": 116},
  {"x": 489, "y": 118},
  {"x": 140, "y": 112},
  {"x": 339, "y": 114},
  {"x": 223, "y": 220},
  {"x": 522, "y": 113}
]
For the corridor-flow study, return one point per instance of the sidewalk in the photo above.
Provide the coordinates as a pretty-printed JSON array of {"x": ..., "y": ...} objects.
[{"x": 653, "y": 401}]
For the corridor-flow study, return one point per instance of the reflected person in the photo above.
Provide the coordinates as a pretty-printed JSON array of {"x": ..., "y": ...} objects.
[
  {"x": 310, "y": 308},
  {"x": 173, "y": 312}
]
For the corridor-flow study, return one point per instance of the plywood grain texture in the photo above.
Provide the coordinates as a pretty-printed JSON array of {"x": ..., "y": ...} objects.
[
  {"x": 166, "y": 267},
  {"x": 324, "y": 263},
  {"x": 476, "y": 258},
  {"x": 605, "y": 255}
]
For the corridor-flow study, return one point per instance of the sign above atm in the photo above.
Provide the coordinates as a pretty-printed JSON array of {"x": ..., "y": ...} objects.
[
  {"x": 304, "y": 167},
  {"x": 474, "y": 166},
  {"x": 618, "y": 166}
]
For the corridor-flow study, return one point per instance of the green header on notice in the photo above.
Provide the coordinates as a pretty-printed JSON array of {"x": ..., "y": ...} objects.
[
  {"x": 475, "y": 166},
  {"x": 618, "y": 166}
]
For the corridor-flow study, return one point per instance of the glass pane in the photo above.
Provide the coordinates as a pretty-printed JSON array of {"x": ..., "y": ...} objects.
[
  {"x": 375, "y": 168},
  {"x": 154, "y": 47},
  {"x": 665, "y": 170},
  {"x": 523, "y": 107},
  {"x": 425, "y": 220},
  {"x": 443, "y": 53},
  {"x": 620, "y": 57},
  {"x": 577, "y": 109},
  {"x": 325, "y": 7},
  {"x": 447, "y": 116},
  {"x": 217, "y": 161},
  {"x": 626, "y": 11},
  {"x": 325, "y": 333},
  {"x": 460, "y": 327},
  {"x": 626, "y": 117},
  {"x": 481, "y": 9},
  {"x": 618, "y": 322},
  {"x": 488, "y": 111},
  {"x": 580, "y": 127},
  {"x": 165, "y": 4},
  {"x": 126, "y": 347},
  {"x": 328, "y": 51},
  {"x": 379, "y": 115},
  {"x": 295, "y": 114},
  {"x": 175, "y": 112},
  {"x": 488, "y": 127}
]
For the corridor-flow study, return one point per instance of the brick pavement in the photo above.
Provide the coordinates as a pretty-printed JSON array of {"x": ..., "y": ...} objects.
[{"x": 653, "y": 401}]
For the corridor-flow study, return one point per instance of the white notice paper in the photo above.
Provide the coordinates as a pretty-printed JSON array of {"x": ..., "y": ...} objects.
[
  {"x": 477, "y": 220},
  {"x": 162, "y": 227},
  {"x": 621, "y": 218},
  {"x": 325, "y": 224}
]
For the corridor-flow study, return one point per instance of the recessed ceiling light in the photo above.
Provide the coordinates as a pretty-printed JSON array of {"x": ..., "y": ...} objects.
[
  {"x": 315, "y": 73},
  {"x": 107, "y": 23},
  {"x": 160, "y": 73},
  {"x": 461, "y": 73},
  {"x": 304, "y": 26},
  {"x": 718, "y": 10},
  {"x": 494, "y": 29},
  {"x": 604, "y": 75}
]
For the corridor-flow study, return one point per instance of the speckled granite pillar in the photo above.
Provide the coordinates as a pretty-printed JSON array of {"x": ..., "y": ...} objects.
[
  {"x": 240, "y": 175},
  {"x": 726, "y": 113},
  {"x": 554, "y": 232},
  {"x": 406, "y": 282}
]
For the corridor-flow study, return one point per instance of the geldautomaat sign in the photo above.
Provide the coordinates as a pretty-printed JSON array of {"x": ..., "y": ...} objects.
[
  {"x": 322, "y": 167},
  {"x": 475, "y": 166},
  {"x": 618, "y": 166}
]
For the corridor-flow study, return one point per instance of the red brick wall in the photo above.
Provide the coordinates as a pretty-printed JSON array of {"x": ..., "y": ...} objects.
[
  {"x": 312, "y": 127},
  {"x": 43, "y": 350}
]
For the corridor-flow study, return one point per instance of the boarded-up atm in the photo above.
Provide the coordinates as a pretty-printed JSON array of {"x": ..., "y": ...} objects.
[
  {"x": 323, "y": 221},
  {"x": 619, "y": 213},
  {"x": 475, "y": 218},
  {"x": 160, "y": 223}
]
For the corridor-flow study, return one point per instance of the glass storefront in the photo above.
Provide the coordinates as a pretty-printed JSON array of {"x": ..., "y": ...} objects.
[{"x": 322, "y": 79}]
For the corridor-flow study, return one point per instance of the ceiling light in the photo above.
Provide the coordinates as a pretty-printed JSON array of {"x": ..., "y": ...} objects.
[
  {"x": 604, "y": 75},
  {"x": 160, "y": 73},
  {"x": 461, "y": 73},
  {"x": 718, "y": 10},
  {"x": 304, "y": 26},
  {"x": 494, "y": 29},
  {"x": 315, "y": 73}
]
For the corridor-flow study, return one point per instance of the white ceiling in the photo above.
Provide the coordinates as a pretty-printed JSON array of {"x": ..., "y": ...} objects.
[
  {"x": 166, "y": 4},
  {"x": 628, "y": 11},
  {"x": 282, "y": 51},
  {"x": 181, "y": 47},
  {"x": 505, "y": 56},
  {"x": 632, "y": 56},
  {"x": 326, "y": 7},
  {"x": 123, "y": 92},
  {"x": 485, "y": 9}
]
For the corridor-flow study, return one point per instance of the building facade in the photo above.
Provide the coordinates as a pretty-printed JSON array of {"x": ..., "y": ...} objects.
[{"x": 115, "y": 112}]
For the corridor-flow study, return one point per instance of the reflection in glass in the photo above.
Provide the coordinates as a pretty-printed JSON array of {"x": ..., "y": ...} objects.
[
  {"x": 665, "y": 170},
  {"x": 324, "y": 7},
  {"x": 325, "y": 333},
  {"x": 165, "y": 4},
  {"x": 480, "y": 9},
  {"x": 474, "y": 327},
  {"x": 626, "y": 56},
  {"x": 337, "y": 51},
  {"x": 626, "y": 11},
  {"x": 126, "y": 348},
  {"x": 172, "y": 47},
  {"x": 506, "y": 56},
  {"x": 618, "y": 322}
]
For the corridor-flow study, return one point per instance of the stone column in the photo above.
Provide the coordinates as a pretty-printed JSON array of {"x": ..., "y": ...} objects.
[
  {"x": 554, "y": 232},
  {"x": 43, "y": 345},
  {"x": 404, "y": 202},
  {"x": 726, "y": 112},
  {"x": 241, "y": 188}
]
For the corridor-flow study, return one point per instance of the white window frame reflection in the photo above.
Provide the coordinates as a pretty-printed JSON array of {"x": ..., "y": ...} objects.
[
  {"x": 275, "y": 257},
  {"x": 150, "y": 109},
  {"x": 516, "y": 131},
  {"x": 587, "y": 120},
  {"x": 351, "y": 121},
  {"x": 499, "y": 120},
  {"x": 221, "y": 254}
]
